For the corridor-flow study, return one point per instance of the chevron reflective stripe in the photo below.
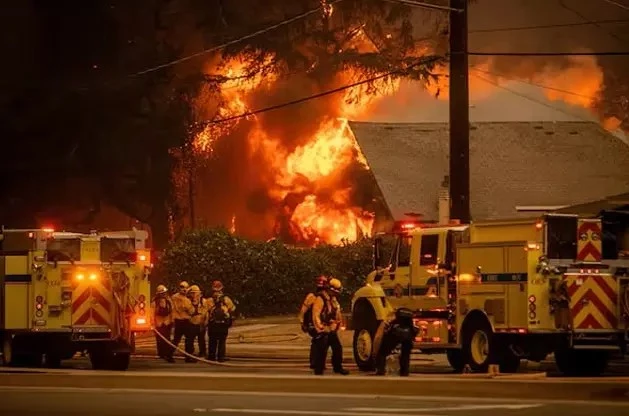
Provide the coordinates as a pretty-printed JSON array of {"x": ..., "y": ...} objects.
[
  {"x": 92, "y": 303},
  {"x": 589, "y": 245},
  {"x": 593, "y": 301}
]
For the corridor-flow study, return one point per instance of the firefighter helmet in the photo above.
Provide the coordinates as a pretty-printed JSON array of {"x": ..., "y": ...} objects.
[
  {"x": 194, "y": 289},
  {"x": 183, "y": 285},
  {"x": 322, "y": 282},
  {"x": 335, "y": 285},
  {"x": 217, "y": 286},
  {"x": 161, "y": 289}
]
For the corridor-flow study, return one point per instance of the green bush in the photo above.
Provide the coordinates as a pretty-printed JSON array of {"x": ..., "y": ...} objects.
[{"x": 264, "y": 278}]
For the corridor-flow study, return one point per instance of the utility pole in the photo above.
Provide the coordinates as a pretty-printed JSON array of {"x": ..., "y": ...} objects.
[{"x": 459, "y": 114}]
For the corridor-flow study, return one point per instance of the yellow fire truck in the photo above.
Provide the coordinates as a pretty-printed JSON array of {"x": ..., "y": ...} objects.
[
  {"x": 63, "y": 293},
  {"x": 497, "y": 292}
]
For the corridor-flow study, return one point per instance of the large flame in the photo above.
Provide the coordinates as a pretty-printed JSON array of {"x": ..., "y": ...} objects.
[{"x": 314, "y": 169}]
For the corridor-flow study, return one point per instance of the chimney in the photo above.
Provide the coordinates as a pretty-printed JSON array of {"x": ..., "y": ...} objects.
[{"x": 444, "y": 201}]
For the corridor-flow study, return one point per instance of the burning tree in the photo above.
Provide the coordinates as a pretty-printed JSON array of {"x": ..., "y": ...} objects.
[{"x": 293, "y": 172}]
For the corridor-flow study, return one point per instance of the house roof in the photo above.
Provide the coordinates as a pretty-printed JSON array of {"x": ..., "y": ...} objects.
[
  {"x": 594, "y": 208},
  {"x": 511, "y": 164}
]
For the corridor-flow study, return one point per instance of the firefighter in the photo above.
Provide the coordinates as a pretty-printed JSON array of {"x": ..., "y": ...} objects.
[
  {"x": 305, "y": 314},
  {"x": 163, "y": 322},
  {"x": 220, "y": 318},
  {"x": 182, "y": 311},
  {"x": 327, "y": 319},
  {"x": 198, "y": 321},
  {"x": 398, "y": 330}
]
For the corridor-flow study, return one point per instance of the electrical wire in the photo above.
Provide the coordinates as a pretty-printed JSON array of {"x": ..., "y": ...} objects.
[
  {"x": 542, "y": 86},
  {"x": 425, "y": 5},
  {"x": 318, "y": 95},
  {"x": 583, "y": 17},
  {"x": 610, "y": 53},
  {"x": 615, "y": 3},
  {"x": 549, "y": 26},
  {"x": 232, "y": 42},
  {"x": 540, "y": 102}
]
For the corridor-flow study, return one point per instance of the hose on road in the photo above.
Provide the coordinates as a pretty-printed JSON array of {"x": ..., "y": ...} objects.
[{"x": 219, "y": 364}]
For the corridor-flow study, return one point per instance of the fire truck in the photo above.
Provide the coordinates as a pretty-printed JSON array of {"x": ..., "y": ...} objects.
[
  {"x": 498, "y": 292},
  {"x": 64, "y": 292}
]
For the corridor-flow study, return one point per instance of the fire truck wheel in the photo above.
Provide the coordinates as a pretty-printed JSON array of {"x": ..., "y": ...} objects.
[
  {"x": 363, "y": 345},
  {"x": 456, "y": 359},
  {"x": 120, "y": 361},
  {"x": 105, "y": 359},
  {"x": 477, "y": 344},
  {"x": 581, "y": 363},
  {"x": 52, "y": 360}
]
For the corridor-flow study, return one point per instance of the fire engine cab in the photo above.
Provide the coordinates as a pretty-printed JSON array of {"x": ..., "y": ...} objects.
[
  {"x": 497, "y": 292},
  {"x": 64, "y": 292}
]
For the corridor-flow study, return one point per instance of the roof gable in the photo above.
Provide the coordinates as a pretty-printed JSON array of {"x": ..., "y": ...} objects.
[{"x": 511, "y": 163}]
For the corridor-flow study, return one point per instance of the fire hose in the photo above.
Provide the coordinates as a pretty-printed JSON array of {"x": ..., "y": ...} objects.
[{"x": 203, "y": 360}]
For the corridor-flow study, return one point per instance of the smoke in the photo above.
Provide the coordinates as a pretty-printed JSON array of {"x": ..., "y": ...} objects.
[{"x": 533, "y": 88}]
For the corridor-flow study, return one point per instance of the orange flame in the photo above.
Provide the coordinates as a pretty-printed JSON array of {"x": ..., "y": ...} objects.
[{"x": 310, "y": 169}]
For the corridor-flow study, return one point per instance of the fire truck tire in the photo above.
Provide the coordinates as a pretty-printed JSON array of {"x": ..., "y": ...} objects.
[
  {"x": 478, "y": 341},
  {"x": 105, "y": 359},
  {"x": 52, "y": 360},
  {"x": 13, "y": 359},
  {"x": 581, "y": 363},
  {"x": 120, "y": 361},
  {"x": 363, "y": 345},
  {"x": 456, "y": 359}
]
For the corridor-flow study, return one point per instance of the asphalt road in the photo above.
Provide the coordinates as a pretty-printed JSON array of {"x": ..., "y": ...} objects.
[{"x": 141, "y": 402}]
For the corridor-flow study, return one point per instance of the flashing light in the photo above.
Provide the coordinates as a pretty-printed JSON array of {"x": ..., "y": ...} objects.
[
  {"x": 142, "y": 257},
  {"x": 48, "y": 230},
  {"x": 39, "y": 306},
  {"x": 532, "y": 246},
  {"x": 532, "y": 299},
  {"x": 408, "y": 226},
  {"x": 141, "y": 306},
  {"x": 140, "y": 321},
  {"x": 539, "y": 225},
  {"x": 80, "y": 276},
  {"x": 93, "y": 276}
]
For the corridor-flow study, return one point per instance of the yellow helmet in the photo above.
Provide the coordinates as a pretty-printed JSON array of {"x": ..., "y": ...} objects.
[
  {"x": 183, "y": 285},
  {"x": 161, "y": 289},
  {"x": 335, "y": 285},
  {"x": 194, "y": 289}
]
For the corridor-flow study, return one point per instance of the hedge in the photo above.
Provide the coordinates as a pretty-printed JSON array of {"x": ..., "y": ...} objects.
[{"x": 265, "y": 278}]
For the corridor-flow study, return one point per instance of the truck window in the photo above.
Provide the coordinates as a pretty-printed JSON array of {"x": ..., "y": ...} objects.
[
  {"x": 117, "y": 249},
  {"x": 429, "y": 250},
  {"x": 65, "y": 249},
  {"x": 561, "y": 237},
  {"x": 404, "y": 256}
]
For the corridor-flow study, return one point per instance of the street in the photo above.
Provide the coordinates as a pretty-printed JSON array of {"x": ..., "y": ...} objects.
[{"x": 139, "y": 402}]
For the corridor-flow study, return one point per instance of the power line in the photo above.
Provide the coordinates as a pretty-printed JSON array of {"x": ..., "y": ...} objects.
[
  {"x": 497, "y": 85},
  {"x": 610, "y": 53},
  {"x": 422, "y": 61},
  {"x": 550, "y": 26},
  {"x": 542, "y": 86},
  {"x": 425, "y": 5},
  {"x": 231, "y": 42},
  {"x": 587, "y": 20},
  {"x": 615, "y": 3}
]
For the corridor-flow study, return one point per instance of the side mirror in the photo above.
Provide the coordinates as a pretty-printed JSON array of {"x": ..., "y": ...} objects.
[{"x": 377, "y": 253}]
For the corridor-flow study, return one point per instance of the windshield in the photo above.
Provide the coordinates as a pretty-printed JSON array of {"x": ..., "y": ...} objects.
[
  {"x": 117, "y": 249},
  {"x": 67, "y": 249}
]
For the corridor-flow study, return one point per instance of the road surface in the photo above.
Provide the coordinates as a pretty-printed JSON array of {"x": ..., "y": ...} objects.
[{"x": 147, "y": 402}]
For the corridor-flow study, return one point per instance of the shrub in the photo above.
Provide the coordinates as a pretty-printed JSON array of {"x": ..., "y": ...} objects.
[{"x": 264, "y": 278}]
